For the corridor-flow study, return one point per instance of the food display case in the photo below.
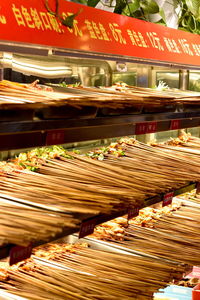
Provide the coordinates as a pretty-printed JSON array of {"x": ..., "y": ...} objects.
[{"x": 101, "y": 49}]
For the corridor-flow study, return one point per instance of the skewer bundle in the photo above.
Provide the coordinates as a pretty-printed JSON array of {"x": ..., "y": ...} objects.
[
  {"x": 171, "y": 235},
  {"x": 90, "y": 186},
  {"x": 56, "y": 194},
  {"x": 38, "y": 281},
  {"x": 86, "y": 273},
  {"x": 21, "y": 224},
  {"x": 18, "y": 95},
  {"x": 160, "y": 171},
  {"x": 103, "y": 264},
  {"x": 171, "y": 232}
]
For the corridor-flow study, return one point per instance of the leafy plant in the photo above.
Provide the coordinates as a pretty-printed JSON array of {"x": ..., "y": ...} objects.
[
  {"x": 67, "y": 21},
  {"x": 189, "y": 19},
  {"x": 140, "y": 9},
  {"x": 188, "y": 16}
]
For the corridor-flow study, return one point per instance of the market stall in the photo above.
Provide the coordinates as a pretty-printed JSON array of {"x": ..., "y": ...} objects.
[{"x": 58, "y": 88}]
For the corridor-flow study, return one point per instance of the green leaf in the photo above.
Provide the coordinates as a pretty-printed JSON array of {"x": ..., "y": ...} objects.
[
  {"x": 134, "y": 5},
  {"x": 69, "y": 20},
  {"x": 176, "y": 3},
  {"x": 192, "y": 23},
  {"x": 131, "y": 7},
  {"x": 184, "y": 23},
  {"x": 162, "y": 14},
  {"x": 193, "y": 6},
  {"x": 120, "y": 5},
  {"x": 149, "y": 6},
  {"x": 161, "y": 22},
  {"x": 137, "y": 14},
  {"x": 80, "y": 1},
  {"x": 92, "y": 3}
]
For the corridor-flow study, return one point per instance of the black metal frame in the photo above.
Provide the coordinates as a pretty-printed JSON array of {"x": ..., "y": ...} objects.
[{"x": 26, "y": 134}]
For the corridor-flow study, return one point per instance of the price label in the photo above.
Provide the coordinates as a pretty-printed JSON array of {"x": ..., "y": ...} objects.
[
  {"x": 151, "y": 127},
  {"x": 133, "y": 212},
  {"x": 194, "y": 273},
  {"x": 167, "y": 198},
  {"x": 19, "y": 253},
  {"x": 87, "y": 227},
  {"x": 198, "y": 188},
  {"x": 175, "y": 124},
  {"x": 147, "y": 127},
  {"x": 55, "y": 137},
  {"x": 140, "y": 128}
]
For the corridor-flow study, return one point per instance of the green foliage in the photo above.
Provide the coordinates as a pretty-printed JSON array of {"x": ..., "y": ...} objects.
[
  {"x": 69, "y": 20},
  {"x": 162, "y": 15},
  {"x": 120, "y": 5},
  {"x": 139, "y": 9},
  {"x": 92, "y": 3},
  {"x": 189, "y": 19},
  {"x": 194, "y": 7},
  {"x": 134, "y": 5},
  {"x": 149, "y": 7}
]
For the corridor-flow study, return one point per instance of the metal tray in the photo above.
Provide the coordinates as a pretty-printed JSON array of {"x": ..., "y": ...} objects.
[
  {"x": 112, "y": 247},
  {"x": 97, "y": 245}
]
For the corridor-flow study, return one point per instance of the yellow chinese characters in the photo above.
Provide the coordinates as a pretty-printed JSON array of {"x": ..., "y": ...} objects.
[
  {"x": 186, "y": 47},
  {"x": 3, "y": 19},
  {"x": 196, "y": 49},
  {"x": 155, "y": 41},
  {"x": 117, "y": 33},
  {"x": 171, "y": 45},
  {"x": 137, "y": 39},
  {"x": 96, "y": 31},
  {"x": 34, "y": 19}
]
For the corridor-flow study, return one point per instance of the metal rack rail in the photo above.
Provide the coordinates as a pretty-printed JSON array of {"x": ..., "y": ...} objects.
[{"x": 26, "y": 134}]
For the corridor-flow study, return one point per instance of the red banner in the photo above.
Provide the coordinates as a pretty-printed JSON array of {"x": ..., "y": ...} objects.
[{"x": 96, "y": 31}]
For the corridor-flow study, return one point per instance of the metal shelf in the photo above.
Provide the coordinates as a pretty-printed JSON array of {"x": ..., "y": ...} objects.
[
  {"x": 25, "y": 134},
  {"x": 5, "y": 250}
]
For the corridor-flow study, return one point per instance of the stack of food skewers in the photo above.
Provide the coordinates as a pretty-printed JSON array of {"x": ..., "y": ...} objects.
[
  {"x": 93, "y": 265},
  {"x": 17, "y": 95},
  {"x": 83, "y": 185}
]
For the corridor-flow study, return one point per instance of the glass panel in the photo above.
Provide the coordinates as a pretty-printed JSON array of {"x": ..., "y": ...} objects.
[
  {"x": 194, "y": 81},
  {"x": 170, "y": 78},
  {"x": 128, "y": 77}
]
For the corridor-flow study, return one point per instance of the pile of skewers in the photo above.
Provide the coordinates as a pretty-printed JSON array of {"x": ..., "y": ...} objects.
[
  {"x": 18, "y": 95},
  {"x": 69, "y": 183},
  {"x": 64, "y": 271},
  {"x": 170, "y": 229},
  {"x": 82, "y": 186},
  {"x": 22, "y": 224}
]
